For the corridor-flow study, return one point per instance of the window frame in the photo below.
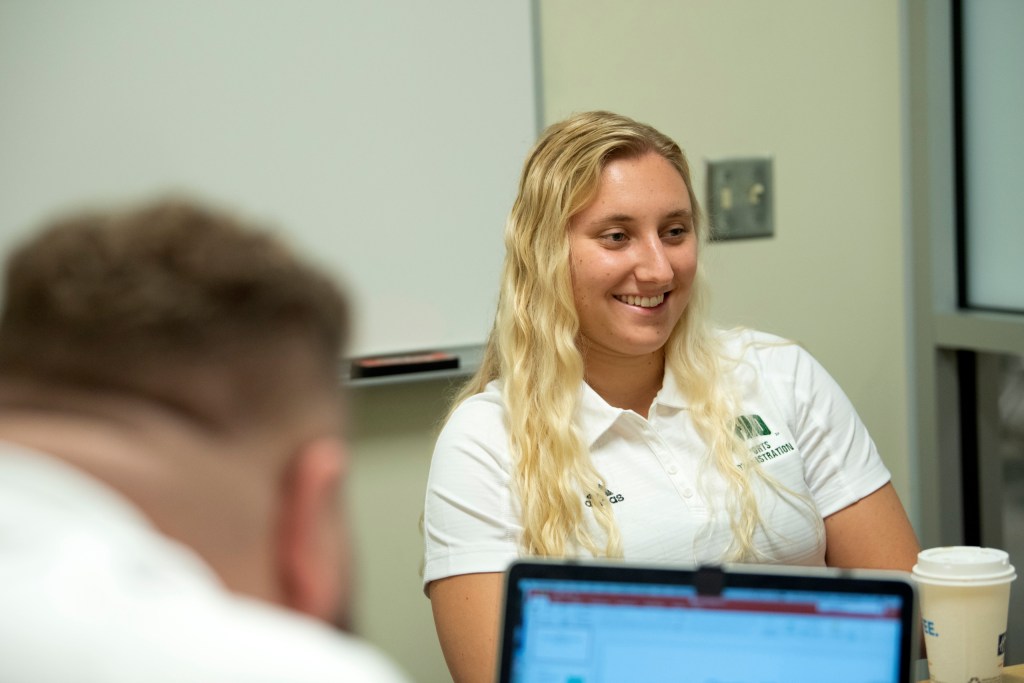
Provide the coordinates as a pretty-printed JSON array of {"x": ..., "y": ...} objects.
[{"x": 958, "y": 490}]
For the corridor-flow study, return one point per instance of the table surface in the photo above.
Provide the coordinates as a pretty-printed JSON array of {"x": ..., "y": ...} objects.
[{"x": 1011, "y": 674}]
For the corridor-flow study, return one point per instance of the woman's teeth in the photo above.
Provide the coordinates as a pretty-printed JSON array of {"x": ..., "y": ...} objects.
[{"x": 642, "y": 301}]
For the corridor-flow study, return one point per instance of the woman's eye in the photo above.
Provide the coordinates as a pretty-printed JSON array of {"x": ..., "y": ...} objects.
[
  {"x": 616, "y": 237},
  {"x": 677, "y": 231}
]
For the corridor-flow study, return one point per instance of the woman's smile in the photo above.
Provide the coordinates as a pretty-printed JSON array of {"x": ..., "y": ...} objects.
[
  {"x": 634, "y": 257},
  {"x": 642, "y": 301}
]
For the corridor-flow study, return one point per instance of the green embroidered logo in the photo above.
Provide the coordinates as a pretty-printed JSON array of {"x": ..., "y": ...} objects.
[{"x": 751, "y": 426}]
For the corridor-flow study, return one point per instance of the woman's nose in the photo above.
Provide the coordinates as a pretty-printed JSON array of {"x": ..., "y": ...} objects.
[{"x": 653, "y": 264}]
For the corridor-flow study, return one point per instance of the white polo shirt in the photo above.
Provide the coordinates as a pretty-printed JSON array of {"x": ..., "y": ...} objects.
[{"x": 667, "y": 502}]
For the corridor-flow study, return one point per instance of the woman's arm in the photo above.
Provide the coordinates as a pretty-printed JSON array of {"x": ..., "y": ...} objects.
[
  {"x": 470, "y": 534},
  {"x": 467, "y": 609},
  {"x": 873, "y": 533}
]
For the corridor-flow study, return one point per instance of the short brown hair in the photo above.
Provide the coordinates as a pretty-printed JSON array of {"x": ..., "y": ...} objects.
[{"x": 149, "y": 299}]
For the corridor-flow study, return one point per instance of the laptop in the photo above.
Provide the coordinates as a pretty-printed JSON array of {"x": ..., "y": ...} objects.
[{"x": 600, "y": 622}]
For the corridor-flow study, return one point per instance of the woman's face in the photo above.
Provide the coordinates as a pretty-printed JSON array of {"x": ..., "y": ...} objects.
[{"x": 634, "y": 257}]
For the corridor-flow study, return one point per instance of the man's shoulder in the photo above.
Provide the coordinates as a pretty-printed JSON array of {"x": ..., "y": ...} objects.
[
  {"x": 280, "y": 644},
  {"x": 82, "y": 568},
  {"x": 195, "y": 631}
]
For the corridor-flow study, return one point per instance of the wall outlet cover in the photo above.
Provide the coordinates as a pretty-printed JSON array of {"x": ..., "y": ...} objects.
[{"x": 740, "y": 198}]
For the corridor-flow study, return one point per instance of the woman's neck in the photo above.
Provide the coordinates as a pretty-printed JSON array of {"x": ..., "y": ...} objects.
[{"x": 627, "y": 383}]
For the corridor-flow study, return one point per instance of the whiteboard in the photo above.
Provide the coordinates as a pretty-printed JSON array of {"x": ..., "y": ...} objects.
[{"x": 384, "y": 139}]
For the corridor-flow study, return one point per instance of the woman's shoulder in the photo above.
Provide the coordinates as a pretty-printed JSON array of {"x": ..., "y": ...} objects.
[
  {"x": 490, "y": 401},
  {"x": 475, "y": 431},
  {"x": 744, "y": 342},
  {"x": 773, "y": 356},
  {"x": 478, "y": 415}
]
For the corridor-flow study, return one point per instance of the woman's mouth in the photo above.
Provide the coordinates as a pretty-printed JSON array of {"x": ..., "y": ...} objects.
[{"x": 642, "y": 301}]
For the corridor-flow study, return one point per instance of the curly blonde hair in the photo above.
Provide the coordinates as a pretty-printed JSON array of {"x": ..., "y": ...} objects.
[{"x": 533, "y": 347}]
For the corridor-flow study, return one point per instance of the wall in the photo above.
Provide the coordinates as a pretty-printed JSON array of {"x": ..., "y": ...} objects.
[
  {"x": 393, "y": 431},
  {"x": 816, "y": 85}
]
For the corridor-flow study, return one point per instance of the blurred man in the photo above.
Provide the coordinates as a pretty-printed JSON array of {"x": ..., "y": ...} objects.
[{"x": 171, "y": 457}]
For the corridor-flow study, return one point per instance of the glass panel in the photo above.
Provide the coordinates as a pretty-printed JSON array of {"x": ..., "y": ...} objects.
[
  {"x": 1000, "y": 498},
  {"x": 1010, "y": 408},
  {"x": 993, "y": 94}
]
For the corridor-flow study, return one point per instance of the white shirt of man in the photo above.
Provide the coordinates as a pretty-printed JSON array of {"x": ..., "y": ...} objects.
[{"x": 91, "y": 592}]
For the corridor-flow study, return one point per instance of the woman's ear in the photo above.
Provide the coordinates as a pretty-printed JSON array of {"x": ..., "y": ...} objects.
[{"x": 312, "y": 548}]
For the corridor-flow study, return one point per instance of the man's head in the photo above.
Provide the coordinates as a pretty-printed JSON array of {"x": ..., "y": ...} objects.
[
  {"x": 175, "y": 303},
  {"x": 206, "y": 352}
]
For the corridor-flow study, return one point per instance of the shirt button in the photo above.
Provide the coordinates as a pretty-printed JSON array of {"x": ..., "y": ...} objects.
[
  {"x": 672, "y": 469},
  {"x": 687, "y": 493}
]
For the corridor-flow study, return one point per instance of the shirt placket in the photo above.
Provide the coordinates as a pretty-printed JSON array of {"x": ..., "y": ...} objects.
[{"x": 680, "y": 474}]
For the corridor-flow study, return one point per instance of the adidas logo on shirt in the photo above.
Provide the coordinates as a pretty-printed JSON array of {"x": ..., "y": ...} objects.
[{"x": 612, "y": 497}]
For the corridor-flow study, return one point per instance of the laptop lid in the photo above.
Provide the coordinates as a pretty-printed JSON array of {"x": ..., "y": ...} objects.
[{"x": 595, "y": 622}]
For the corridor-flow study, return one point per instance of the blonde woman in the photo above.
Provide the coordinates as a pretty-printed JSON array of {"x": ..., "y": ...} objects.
[{"x": 609, "y": 418}]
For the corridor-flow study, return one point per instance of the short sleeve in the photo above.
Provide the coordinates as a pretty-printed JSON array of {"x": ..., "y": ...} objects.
[
  {"x": 841, "y": 462},
  {"x": 470, "y": 521}
]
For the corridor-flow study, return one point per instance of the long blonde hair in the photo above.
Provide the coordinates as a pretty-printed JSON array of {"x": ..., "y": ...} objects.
[{"x": 533, "y": 349}]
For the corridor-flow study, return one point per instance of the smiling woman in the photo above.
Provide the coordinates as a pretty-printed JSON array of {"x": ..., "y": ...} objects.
[
  {"x": 609, "y": 418},
  {"x": 634, "y": 257}
]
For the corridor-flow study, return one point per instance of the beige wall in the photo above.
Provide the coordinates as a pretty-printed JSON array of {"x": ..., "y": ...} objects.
[
  {"x": 393, "y": 430},
  {"x": 814, "y": 84}
]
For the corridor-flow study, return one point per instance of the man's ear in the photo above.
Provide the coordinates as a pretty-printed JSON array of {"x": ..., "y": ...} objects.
[{"x": 312, "y": 544}]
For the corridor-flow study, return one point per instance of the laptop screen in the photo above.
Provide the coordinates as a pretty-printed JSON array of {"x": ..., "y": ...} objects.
[{"x": 578, "y": 623}]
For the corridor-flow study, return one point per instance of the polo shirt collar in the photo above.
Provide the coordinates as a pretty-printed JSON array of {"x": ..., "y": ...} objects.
[
  {"x": 671, "y": 393},
  {"x": 596, "y": 416}
]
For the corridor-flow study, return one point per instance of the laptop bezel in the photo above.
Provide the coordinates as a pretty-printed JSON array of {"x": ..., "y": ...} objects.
[{"x": 708, "y": 578}]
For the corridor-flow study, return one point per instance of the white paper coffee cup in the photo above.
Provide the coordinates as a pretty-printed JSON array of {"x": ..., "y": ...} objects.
[{"x": 965, "y": 598}]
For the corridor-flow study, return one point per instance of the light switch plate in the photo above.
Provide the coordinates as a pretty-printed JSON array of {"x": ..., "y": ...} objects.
[{"x": 741, "y": 198}]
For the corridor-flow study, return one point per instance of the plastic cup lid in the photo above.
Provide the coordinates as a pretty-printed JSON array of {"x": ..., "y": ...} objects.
[{"x": 964, "y": 564}]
